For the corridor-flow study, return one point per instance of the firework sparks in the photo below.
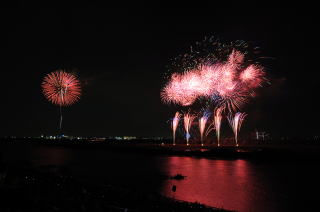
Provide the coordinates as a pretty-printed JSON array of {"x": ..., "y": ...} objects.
[
  {"x": 61, "y": 88},
  {"x": 226, "y": 75},
  {"x": 174, "y": 125},
  {"x": 202, "y": 125},
  {"x": 217, "y": 123},
  {"x": 184, "y": 88},
  {"x": 252, "y": 77},
  {"x": 228, "y": 84},
  {"x": 188, "y": 119},
  {"x": 235, "y": 123},
  {"x": 224, "y": 72},
  {"x": 208, "y": 51}
]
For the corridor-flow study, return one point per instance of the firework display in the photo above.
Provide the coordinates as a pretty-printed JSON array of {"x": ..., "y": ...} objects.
[
  {"x": 62, "y": 89},
  {"x": 224, "y": 74}
]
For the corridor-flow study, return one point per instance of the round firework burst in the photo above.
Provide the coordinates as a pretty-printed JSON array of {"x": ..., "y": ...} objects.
[{"x": 61, "y": 88}]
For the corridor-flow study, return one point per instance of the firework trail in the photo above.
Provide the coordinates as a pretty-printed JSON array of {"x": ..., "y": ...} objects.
[
  {"x": 188, "y": 119},
  {"x": 217, "y": 123},
  {"x": 209, "y": 129},
  {"x": 61, "y": 88},
  {"x": 174, "y": 125},
  {"x": 235, "y": 123},
  {"x": 202, "y": 125}
]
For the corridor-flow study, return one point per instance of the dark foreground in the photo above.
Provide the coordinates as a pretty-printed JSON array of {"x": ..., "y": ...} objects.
[{"x": 49, "y": 188}]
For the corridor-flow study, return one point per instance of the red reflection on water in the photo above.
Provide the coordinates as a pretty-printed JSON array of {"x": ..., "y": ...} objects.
[
  {"x": 219, "y": 183},
  {"x": 55, "y": 156}
]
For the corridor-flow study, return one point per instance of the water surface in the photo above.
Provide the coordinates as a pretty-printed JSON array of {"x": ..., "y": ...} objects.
[{"x": 240, "y": 185}]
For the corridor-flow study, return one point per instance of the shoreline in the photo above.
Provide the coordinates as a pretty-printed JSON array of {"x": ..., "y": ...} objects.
[{"x": 296, "y": 152}]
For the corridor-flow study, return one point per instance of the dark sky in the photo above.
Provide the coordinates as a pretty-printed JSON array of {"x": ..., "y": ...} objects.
[{"x": 120, "y": 55}]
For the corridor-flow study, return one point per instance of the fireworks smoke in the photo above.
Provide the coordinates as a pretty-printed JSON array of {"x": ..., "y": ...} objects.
[
  {"x": 235, "y": 123},
  {"x": 174, "y": 125}
]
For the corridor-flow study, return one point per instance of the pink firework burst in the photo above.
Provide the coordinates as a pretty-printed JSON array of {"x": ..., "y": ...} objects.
[
  {"x": 184, "y": 88},
  {"x": 252, "y": 76},
  {"x": 61, "y": 88},
  {"x": 228, "y": 83}
]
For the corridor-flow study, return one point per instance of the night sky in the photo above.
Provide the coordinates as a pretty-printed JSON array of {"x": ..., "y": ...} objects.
[{"x": 120, "y": 55}]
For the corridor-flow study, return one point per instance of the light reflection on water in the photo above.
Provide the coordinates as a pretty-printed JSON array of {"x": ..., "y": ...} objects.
[
  {"x": 212, "y": 182},
  {"x": 239, "y": 185},
  {"x": 56, "y": 156},
  {"x": 229, "y": 184}
]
